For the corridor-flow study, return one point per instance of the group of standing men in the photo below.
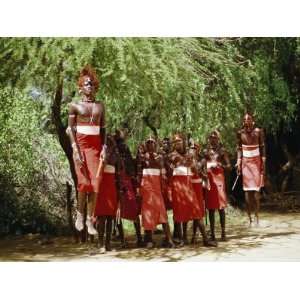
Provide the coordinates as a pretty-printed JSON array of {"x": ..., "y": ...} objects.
[{"x": 173, "y": 174}]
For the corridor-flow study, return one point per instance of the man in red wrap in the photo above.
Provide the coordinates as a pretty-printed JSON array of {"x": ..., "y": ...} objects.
[
  {"x": 185, "y": 202},
  {"x": 150, "y": 168},
  {"x": 129, "y": 205},
  {"x": 166, "y": 187},
  {"x": 217, "y": 161},
  {"x": 197, "y": 181},
  {"x": 251, "y": 159},
  {"x": 107, "y": 200},
  {"x": 86, "y": 130}
]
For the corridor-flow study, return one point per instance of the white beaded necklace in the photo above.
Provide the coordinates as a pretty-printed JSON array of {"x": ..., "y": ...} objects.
[{"x": 91, "y": 111}]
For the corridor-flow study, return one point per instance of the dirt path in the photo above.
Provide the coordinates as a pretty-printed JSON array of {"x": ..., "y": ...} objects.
[{"x": 277, "y": 239}]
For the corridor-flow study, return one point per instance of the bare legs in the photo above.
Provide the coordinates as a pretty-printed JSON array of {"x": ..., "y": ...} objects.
[
  {"x": 168, "y": 237},
  {"x": 104, "y": 227},
  {"x": 200, "y": 224},
  {"x": 253, "y": 203},
  {"x": 137, "y": 227},
  {"x": 212, "y": 224}
]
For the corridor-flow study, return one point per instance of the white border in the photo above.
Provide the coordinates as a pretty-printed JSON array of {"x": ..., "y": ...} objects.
[{"x": 150, "y": 18}]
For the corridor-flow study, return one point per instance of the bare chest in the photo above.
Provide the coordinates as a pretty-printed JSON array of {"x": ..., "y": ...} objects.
[
  {"x": 152, "y": 160},
  {"x": 87, "y": 111},
  {"x": 250, "y": 138}
]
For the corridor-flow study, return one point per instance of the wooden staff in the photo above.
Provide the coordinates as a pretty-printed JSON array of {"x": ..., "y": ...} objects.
[{"x": 235, "y": 182}]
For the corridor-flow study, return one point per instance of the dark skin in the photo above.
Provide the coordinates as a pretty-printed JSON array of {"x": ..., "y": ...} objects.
[
  {"x": 128, "y": 164},
  {"x": 151, "y": 159},
  {"x": 181, "y": 157},
  {"x": 175, "y": 158},
  {"x": 165, "y": 150},
  {"x": 251, "y": 135},
  {"x": 217, "y": 154},
  {"x": 200, "y": 170},
  {"x": 105, "y": 222},
  {"x": 85, "y": 111}
]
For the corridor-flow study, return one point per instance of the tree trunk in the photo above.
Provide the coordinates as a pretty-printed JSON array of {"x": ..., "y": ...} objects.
[
  {"x": 61, "y": 129},
  {"x": 69, "y": 208},
  {"x": 64, "y": 141}
]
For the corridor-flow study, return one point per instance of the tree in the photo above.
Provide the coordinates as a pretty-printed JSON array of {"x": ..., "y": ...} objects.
[{"x": 160, "y": 85}]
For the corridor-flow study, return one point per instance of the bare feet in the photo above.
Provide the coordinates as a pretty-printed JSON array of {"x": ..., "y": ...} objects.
[
  {"x": 210, "y": 243},
  {"x": 223, "y": 237},
  {"x": 102, "y": 250},
  {"x": 150, "y": 245},
  {"x": 108, "y": 247},
  {"x": 193, "y": 240},
  {"x": 140, "y": 243},
  {"x": 185, "y": 241},
  {"x": 168, "y": 244}
]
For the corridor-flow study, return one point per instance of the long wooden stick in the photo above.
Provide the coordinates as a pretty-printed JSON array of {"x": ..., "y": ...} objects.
[{"x": 235, "y": 182}]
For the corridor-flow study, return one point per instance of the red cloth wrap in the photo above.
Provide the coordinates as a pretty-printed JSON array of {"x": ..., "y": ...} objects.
[
  {"x": 128, "y": 203},
  {"x": 107, "y": 200},
  {"x": 216, "y": 196},
  {"x": 153, "y": 207},
  {"x": 251, "y": 170},
  {"x": 186, "y": 206},
  {"x": 90, "y": 147},
  {"x": 198, "y": 188},
  {"x": 167, "y": 195}
]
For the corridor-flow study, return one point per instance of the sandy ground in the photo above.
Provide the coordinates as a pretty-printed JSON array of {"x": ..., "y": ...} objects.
[{"x": 276, "y": 239}]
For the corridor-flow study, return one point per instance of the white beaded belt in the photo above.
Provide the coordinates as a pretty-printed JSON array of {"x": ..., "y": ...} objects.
[
  {"x": 109, "y": 169},
  {"x": 248, "y": 152},
  {"x": 155, "y": 172},
  {"x": 182, "y": 171},
  {"x": 250, "y": 146},
  {"x": 88, "y": 130},
  {"x": 211, "y": 164}
]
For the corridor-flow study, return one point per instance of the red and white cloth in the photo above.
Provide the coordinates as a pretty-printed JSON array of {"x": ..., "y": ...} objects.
[
  {"x": 216, "y": 195},
  {"x": 107, "y": 200},
  {"x": 166, "y": 192},
  {"x": 130, "y": 209},
  {"x": 253, "y": 178},
  {"x": 186, "y": 206},
  {"x": 90, "y": 145},
  {"x": 153, "y": 207},
  {"x": 198, "y": 188}
]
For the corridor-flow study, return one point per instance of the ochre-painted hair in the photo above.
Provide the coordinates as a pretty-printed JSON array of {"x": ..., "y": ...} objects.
[{"x": 88, "y": 70}]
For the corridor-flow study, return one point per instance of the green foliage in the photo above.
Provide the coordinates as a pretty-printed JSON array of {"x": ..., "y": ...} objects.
[
  {"x": 174, "y": 83},
  {"x": 187, "y": 84},
  {"x": 32, "y": 167}
]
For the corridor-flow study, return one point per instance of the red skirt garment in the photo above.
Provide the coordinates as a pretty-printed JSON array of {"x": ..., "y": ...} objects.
[
  {"x": 107, "y": 200},
  {"x": 216, "y": 196},
  {"x": 186, "y": 206},
  {"x": 90, "y": 147},
  {"x": 153, "y": 207}
]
